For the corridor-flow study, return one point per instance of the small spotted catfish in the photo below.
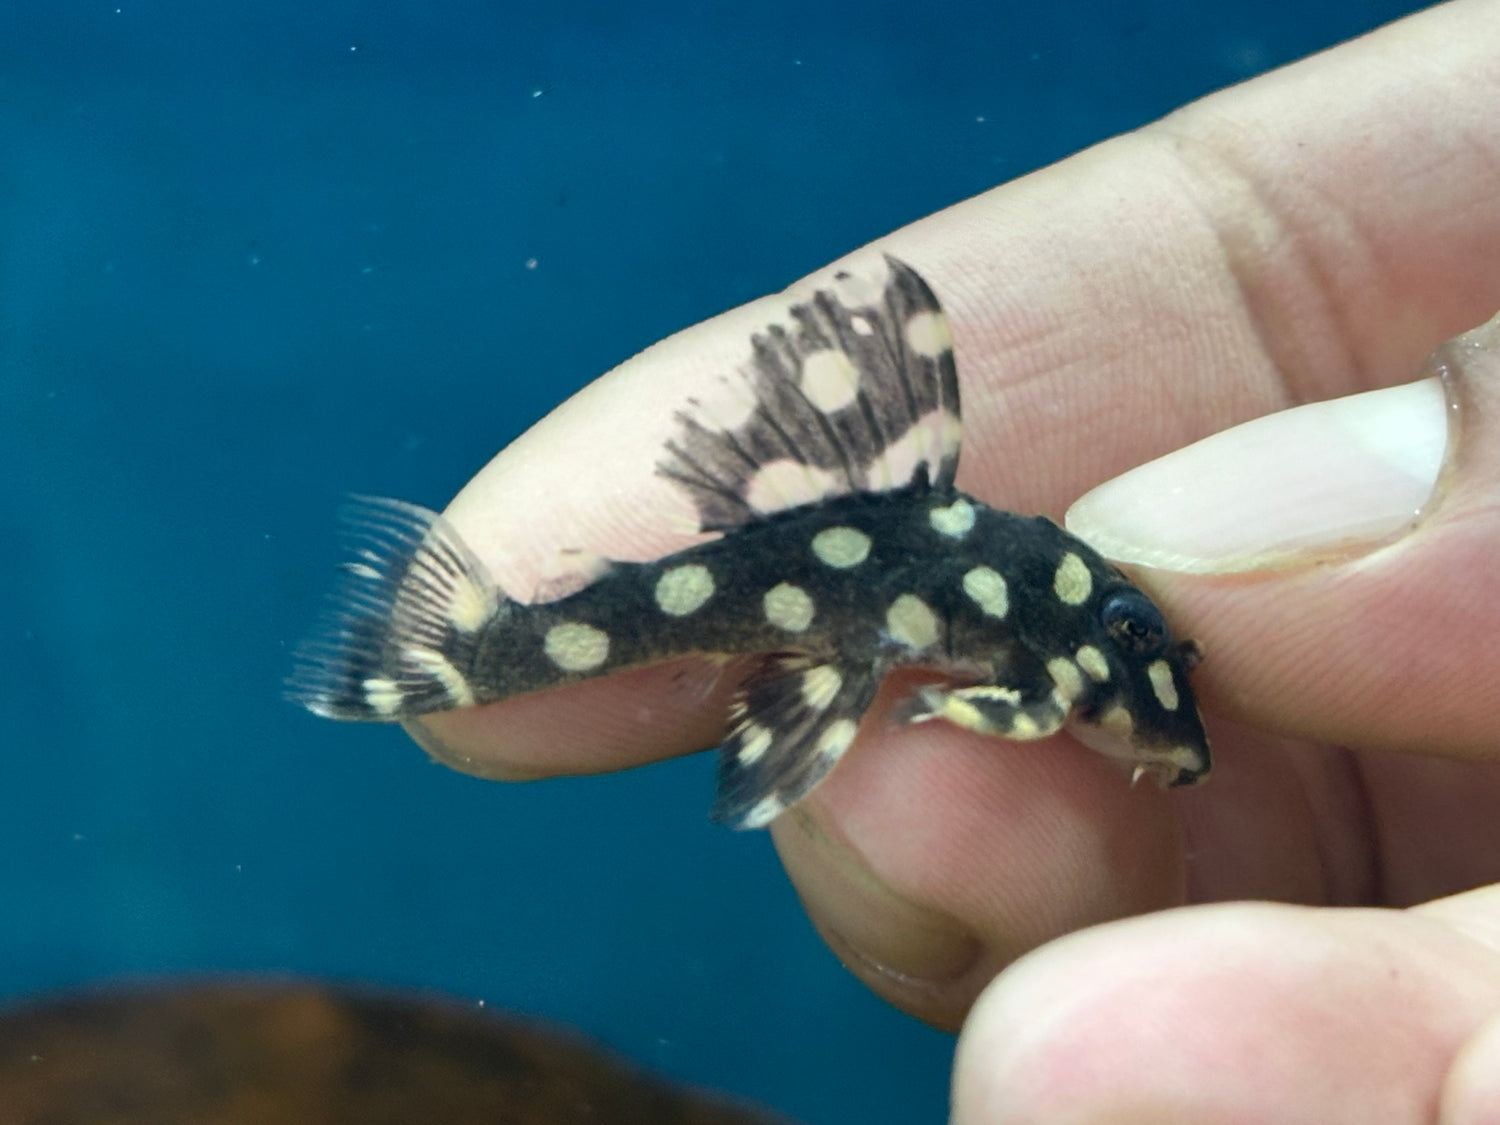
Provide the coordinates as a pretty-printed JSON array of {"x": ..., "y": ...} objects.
[{"x": 825, "y": 464}]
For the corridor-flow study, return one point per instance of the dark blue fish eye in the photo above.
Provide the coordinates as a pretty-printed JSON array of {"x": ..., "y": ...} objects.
[{"x": 1136, "y": 625}]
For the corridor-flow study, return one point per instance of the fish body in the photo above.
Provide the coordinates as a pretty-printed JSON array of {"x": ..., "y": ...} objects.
[{"x": 826, "y": 465}]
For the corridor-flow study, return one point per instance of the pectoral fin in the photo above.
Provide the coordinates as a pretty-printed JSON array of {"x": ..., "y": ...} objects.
[
  {"x": 793, "y": 721},
  {"x": 994, "y": 709}
]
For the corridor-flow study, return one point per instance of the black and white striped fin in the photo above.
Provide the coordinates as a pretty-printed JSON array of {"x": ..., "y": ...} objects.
[
  {"x": 400, "y": 632},
  {"x": 857, "y": 392},
  {"x": 793, "y": 720}
]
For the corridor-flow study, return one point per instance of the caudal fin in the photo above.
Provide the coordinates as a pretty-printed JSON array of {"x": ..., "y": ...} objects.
[{"x": 402, "y": 627}]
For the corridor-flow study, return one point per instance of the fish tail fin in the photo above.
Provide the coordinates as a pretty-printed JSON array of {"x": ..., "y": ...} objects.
[{"x": 402, "y": 628}]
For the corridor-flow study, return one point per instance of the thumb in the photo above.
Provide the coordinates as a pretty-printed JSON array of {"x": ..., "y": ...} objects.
[
  {"x": 1339, "y": 562},
  {"x": 1246, "y": 1011}
]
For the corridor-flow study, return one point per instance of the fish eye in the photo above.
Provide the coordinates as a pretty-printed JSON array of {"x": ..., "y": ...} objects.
[{"x": 1136, "y": 625}]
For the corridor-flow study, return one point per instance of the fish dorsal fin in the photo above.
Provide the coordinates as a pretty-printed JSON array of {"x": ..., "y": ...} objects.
[
  {"x": 793, "y": 720},
  {"x": 855, "y": 392}
]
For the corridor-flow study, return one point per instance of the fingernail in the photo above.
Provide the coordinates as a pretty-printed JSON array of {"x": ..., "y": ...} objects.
[
  {"x": 867, "y": 924},
  {"x": 1281, "y": 489}
]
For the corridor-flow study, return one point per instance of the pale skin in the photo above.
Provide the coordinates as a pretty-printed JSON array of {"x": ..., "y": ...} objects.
[{"x": 1313, "y": 233}]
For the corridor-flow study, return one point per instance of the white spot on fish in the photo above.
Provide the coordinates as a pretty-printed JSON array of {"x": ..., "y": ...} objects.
[
  {"x": 469, "y": 608},
  {"x": 988, "y": 591},
  {"x": 927, "y": 334},
  {"x": 788, "y": 607},
  {"x": 954, "y": 521},
  {"x": 755, "y": 740},
  {"x": 1163, "y": 684},
  {"x": 837, "y": 738},
  {"x": 441, "y": 669},
  {"x": 684, "y": 589},
  {"x": 1072, "y": 583},
  {"x": 764, "y": 811},
  {"x": 788, "y": 484},
  {"x": 820, "y": 685},
  {"x": 911, "y": 622},
  {"x": 841, "y": 547},
  {"x": 576, "y": 647},
  {"x": 1092, "y": 661},
  {"x": 382, "y": 695},
  {"x": 829, "y": 379},
  {"x": 1067, "y": 677}
]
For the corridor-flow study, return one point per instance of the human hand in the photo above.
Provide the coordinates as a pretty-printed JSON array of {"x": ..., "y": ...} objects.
[{"x": 1308, "y": 235}]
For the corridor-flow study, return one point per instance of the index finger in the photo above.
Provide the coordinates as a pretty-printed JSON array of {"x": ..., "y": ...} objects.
[{"x": 1311, "y": 233}]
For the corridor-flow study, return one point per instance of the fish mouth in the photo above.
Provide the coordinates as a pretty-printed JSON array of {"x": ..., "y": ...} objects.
[
  {"x": 1188, "y": 776},
  {"x": 1172, "y": 772},
  {"x": 1172, "y": 765}
]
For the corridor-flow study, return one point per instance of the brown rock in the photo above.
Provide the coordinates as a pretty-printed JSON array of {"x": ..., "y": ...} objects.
[{"x": 258, "y": 1053}]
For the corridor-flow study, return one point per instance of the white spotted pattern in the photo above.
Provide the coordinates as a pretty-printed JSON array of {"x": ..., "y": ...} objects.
[
  {"x": 1072, "y": 583},
  {"x": 1092, "y": 661},
  {"x": 841, "y": 547},
  {"x": 1000, "y": 692},
  {"x": 470, "y": 607},
  {"x": 911, "y": 622},
  {"x": 764, "y": 811},
  {"x": 441, "y": 669},
  {"x": 898, "y": 460},
  {"x": 952, "y": 707},
  {"x": 927, "y": 334},
  {"x": 576, "y": 647},
  {"x": 987, "y": 589},
  {"x": 837, "y": 738},
  {"x": 755, "y": 740},
  {"x": 820, "y": 685},
  {"x": 1023, "y": 727},
  {"x": 788, "y": 607},
  {"x": 787, "y": 484},
  {"x": 954, "y": 521},
  {"x": 1067, "y": 677},
  {"x": 1163, "y": 684},
  {"x": 383, "y": 695},
  {"x": 684, "y": 589},
  {"x": 830, "y": 380}
]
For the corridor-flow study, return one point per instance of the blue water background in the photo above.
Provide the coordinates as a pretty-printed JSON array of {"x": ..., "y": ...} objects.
[{"x": 256, "y": 256}]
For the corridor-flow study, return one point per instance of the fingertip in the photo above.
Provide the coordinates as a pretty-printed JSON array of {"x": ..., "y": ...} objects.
[
  {"x": 1227, "y": 1013},
  {"x": 1471, "y": 1092},
  {"x": 919, "y": 958},
  {"x": 1362, "y": 616},
  {"x": 1278, "y": 490}
]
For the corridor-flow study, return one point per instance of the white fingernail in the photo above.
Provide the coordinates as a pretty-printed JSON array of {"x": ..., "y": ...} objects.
[{"x": 1291, "y": 485}]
